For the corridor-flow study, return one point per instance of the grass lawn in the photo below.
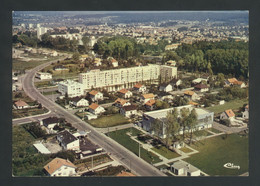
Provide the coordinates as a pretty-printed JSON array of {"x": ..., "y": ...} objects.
[
  {"x": 28, "y": 112},
  {"x": 122, "y": 138},
  {"x": 51, "y": 92},
  {"x": 214, "y": 130},
  {"x": 185, "y": 149},
  {"x": 165, "y": 152},
  {"x": 217, "y": 151},
  {"x": 109, "y": 121},
  {"x": 25, "y": 159},
  {"x": 200, "y": 133},
  {"x": 234, "y": 104},
  {"x": 41, "y": 84}
]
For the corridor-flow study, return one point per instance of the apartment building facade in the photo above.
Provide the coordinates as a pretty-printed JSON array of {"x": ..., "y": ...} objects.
[
  {"x": 72, "y": 88},
  {"x": 124, "y": 78}
]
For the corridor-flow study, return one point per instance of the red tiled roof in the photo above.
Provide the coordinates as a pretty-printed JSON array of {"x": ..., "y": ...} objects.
[
  {"x": 93, "y": 92},
  {"x": 121, "y": 101},
  {"x": 189, "y": 92},
  {"x": 147, "y": 96},
  {"x": 238, "y": 82},
  {"x": 20, "y": 103},
  {"x": 94, "y": 106},
  {"x": 201, "y": 86},
  {"x": 138, "y": 85},
  {"x": 150, "y": 103},
  {"x": 229, "y": 113},
  {"x": 123, "y": 91},
  {"x": 56, "y": 163},
  {"x": 232, "y": 80}
]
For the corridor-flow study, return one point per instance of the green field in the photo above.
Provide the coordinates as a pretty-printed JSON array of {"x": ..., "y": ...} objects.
[
  {"x": 25, "y": 65},
  {"x": 25, "y": 159},
  {"x": 41, "y": 84},
  {"x": 50, "y": 93},
  {"x": 28, "y": 112},
  {"x": 217, "y": 151},
  {"x": 235, "y": 104},
  {"x": 214, "y": 130},
  {"x": 185, "y": 149},
  {"x": 122, "y": 138},
  {"x": 200, "y": 133},
  {"x": 109, "y": 121},
  {"x": 165, "y": 152}
]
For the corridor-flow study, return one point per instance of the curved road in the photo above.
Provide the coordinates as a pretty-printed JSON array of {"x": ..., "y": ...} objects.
[{"x": 117, "y": 151}]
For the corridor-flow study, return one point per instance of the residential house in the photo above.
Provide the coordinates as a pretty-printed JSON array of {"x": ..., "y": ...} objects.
[
  {"x": 43, "y": 75},
  {"x": 79, "y": 102},
  {"x": 139, "y": 88},
  {"x": 60, "y": 167},
  {"x": 114, "y": 63},
  {"x": 166, "y": 87},
  {"x": 125, "y": 93},
  {"x": 176, "y": 82},
  {"x": 193, "y": 103},
  {"x": 150, "y": 105},
  {"x": 147, "y": 97},
  {"x": 245, "y": 114},
  {"x": 128, "y": 110},
  {"x": 121, "y": 102},
  {"x": 191, "y": 95},
  {"x": 240, "y": 84},
  {"x": 199, "y": 80},
  {"x": 201, "y": 87},
  {"x": 68, "y": 141},
  {"x": 181, "y": 168},
  {"x": 227, "y": 114},
  {"x": 96, "y": 109},
  {"x": 171, "y": 63},
  {"x": 96, "y": 95},
  {"x": 21, "y": 104},
  {"x": 49, "y": 124},
  {"x": 231, "y": 81},
  {"x": 97, "y": 62}
]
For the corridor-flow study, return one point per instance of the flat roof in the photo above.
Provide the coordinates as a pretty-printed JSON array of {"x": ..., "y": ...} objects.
[
  {"x": 41, "y": 148},
  {"x": 184, "y": 165}
]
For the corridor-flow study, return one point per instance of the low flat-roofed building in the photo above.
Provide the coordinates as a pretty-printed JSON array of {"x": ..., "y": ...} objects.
[
  {"x": 43, "y": 75},
  {"x": 181, "y": 168},
  {"x": 205, "y": 119}
]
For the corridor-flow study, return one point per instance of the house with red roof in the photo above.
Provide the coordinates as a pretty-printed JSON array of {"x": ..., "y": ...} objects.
[
  {"x": 21, "y": 104},
  {"x": 150, "y": 105},
  {"x": 60, "y": 167},
  {"x": 139, "y": 88},
  {"x": 96, "y": 109},
  {"x": 128, "y": 110},
  {"x": 121, "y": 102},
  {"x": 227, "y": 114},
  {"x": 201, "y": 87},
  {"x": 191, "y": 95},
  {"x": 95, "y": 95},
  {"x": 125, "y": 93}
]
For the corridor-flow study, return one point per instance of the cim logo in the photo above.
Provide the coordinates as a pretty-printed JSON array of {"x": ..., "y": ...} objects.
[{"x": 231, "y": 166}]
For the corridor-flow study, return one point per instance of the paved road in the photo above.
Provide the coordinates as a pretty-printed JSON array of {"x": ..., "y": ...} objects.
[
  {"x": 226, "y": 129},
  {"x": 118, "y": 152}
]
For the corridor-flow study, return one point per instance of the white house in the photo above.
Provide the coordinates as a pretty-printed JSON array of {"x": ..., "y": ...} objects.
[
  {"x": 147, "y": 97},
  {"x": 96, "y": 95},
  {"x": 201, "y": 87},
  {"x": 191, "y": 95},
  {"x": 79, "y": 102},
  {"x": 68, "y": 141},
  {"x": 43, "y": 75},
  {"x": 60, "y": 167},
  {"x": 114, "y": 63},
  {"x": 245, "y": 114},
  {"x": 125, "y": 93},
  {"x": 139, "y": 88},
  {"x": 21, "y": 104},
  {"x": 97, "y": 62},
  {"x": 199, "y": 80},
  {"x": 72, "y": 88},
  {"x": 166, "y": 87},
  {"x": 96, "y": 109},
  {"x": 227, "y": 114},
  {"x": 49, "y": 124},
  {"x": 128, "y": 111},
  {"x": 121, "y": 102},
  {"x": 181, "y": 168},
  {"x": 176, "y": 82},
  {"x": 150, "y": 105}
]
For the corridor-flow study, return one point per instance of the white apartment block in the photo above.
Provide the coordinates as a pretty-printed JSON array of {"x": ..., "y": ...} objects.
[
  {"x": 72, "y": 88},
  {"x": 43, "y": 75},
  {"x": 41, "y": 31},
  {"x": 123, "y": 76}
]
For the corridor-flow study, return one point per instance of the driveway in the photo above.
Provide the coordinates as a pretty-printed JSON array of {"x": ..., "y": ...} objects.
[{"x": 226, "y": 129}]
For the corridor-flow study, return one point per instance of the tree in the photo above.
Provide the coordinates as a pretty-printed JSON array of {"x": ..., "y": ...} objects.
[
  {"x": 157, "y": 127},
  {"x": 184, "y": 119},
  {"x": 192, "y": 122},
  {"x": 171, "y": 126}
]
